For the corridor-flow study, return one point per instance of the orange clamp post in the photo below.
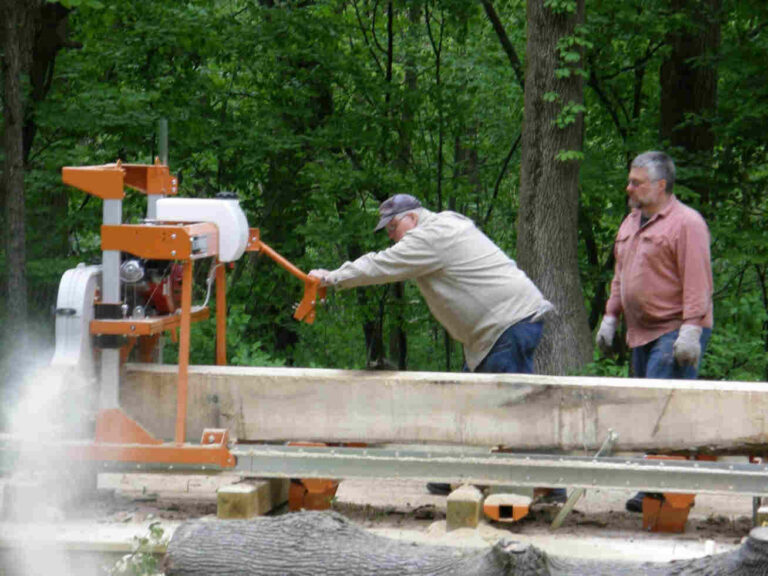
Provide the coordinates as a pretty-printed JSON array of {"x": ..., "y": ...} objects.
[
  {"x": 186, "y": 323},
  {"x": 670, "y": 512},
  {"x": 305, "y": 312}
]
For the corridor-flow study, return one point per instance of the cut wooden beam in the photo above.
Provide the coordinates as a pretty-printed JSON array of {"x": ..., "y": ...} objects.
[{"x": 522, "y": 412}]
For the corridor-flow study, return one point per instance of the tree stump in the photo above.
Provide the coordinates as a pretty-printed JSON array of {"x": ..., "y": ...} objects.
[{"x": 327, "y": 544}]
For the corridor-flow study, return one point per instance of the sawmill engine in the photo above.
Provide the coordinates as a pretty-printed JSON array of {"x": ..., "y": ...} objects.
[{"x": 150, "y": 287}]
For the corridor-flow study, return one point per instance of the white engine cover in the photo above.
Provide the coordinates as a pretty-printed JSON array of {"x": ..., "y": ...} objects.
[
  {"x": 226, "y": 214},
  {"x": 74, "y": 312}
]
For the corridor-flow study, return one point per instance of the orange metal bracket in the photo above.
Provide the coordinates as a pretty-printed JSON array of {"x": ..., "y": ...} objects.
[
  {"x": 152, "y": 179},
  {"x": 144, "y": 326},
  {"x": 119, "y": 438},
  {"x": 114, "y": 426},
  {"x": 105, "y": 182},
  {"x": 168, "y": 242},
  {"x": 305, "y": 312}
]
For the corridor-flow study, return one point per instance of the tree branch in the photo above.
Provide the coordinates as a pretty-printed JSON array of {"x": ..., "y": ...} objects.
[
  {"x": 500, "y": 177},
  {"x": 498, "y": 27}
]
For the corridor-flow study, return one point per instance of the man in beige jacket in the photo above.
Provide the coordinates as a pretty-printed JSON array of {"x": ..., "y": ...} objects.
[{"x": 473, "y": 289}]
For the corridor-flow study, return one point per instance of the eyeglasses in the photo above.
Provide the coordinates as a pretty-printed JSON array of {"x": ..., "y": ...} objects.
[
  {"x": 634, "y": 183},
  {"x": 392, "y": 225}
]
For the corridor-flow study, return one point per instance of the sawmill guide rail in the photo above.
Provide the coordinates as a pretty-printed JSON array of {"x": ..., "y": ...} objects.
[{"x": 471, "y": 466}]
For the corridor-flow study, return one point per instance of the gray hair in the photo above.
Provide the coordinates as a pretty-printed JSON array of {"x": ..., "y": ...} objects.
[
  {"x": 418, "y": 211},
  {"x": 660, "y": 166}
]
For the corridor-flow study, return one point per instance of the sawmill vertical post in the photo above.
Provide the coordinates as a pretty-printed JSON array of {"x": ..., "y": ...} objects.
[
  {"x": 110, "y": 294},
  {"x": 221, "y": 314}
]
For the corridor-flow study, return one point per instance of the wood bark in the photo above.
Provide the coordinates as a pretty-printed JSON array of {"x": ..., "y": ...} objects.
[
  {"x": 327, "y": 544},
  {"x": 547, "y": 235},
  {"x": 18, "y": 19}
]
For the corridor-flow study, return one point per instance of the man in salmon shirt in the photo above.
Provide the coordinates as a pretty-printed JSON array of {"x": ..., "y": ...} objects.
[{"x": 662, "y": 281}]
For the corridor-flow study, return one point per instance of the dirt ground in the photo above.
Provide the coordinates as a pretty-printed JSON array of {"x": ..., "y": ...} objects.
[
  {"x": 406, "y": 505},
  {"x": 598, "y": 527}
]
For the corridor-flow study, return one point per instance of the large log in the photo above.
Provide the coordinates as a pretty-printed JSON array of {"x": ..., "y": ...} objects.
[
  {"x": 524, "y": 412},
  {"x": 327, "y": 544}
]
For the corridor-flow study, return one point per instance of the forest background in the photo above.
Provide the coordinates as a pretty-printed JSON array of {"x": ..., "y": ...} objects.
[{"x": 313, "y": 112}]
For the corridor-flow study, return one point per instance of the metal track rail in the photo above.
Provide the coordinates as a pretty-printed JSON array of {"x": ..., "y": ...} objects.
[
  {"x": 502, "y": 468},
  {"x": 472, "y": 466}
]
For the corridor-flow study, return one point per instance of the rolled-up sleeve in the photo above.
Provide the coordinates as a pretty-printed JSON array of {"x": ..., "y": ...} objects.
[
  {"x": 695, "y": 268},
  {"x": 614, "y": 306}
]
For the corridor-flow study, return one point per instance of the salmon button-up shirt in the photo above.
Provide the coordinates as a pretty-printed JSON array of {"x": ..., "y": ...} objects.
[{"x": 663, "y": 274}]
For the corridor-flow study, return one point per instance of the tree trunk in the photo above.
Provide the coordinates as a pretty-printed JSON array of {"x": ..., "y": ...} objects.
[
  {"x": 18, "y": 27},
  {"x": 323, "y": 543},
  {"x": 547, "y": 236}
]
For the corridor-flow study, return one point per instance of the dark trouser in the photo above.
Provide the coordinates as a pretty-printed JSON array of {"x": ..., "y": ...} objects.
[
  {"x": 513, "y": 351},
  {"x": 513, "y": 354},
  {"x": 657, "y": 360}
]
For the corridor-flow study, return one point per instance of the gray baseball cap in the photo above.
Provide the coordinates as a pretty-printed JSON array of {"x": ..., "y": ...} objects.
[{"x": 397, "y": 204}]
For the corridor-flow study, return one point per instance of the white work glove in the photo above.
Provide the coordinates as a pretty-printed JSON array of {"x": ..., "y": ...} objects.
[
  {"x": 606, "y": 333},
  {"x": 687, "y": 348},
  {"x": 323, "y": 275}
]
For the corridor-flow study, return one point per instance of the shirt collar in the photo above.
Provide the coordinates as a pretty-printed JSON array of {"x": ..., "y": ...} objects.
[{"x": 668, "y": 207}]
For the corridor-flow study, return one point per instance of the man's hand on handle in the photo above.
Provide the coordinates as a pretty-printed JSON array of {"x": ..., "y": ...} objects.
[
  {"x": 687, "y": 348},
  {"x": 323, "y": 275},
  {"x": 606, "y": 333}
]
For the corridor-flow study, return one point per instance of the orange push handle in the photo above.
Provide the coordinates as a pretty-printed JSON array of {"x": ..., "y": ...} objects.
[{"x": 305, "y": 312}]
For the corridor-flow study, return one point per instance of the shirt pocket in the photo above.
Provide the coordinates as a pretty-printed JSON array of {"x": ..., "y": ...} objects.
[{"x": 654, "y": 251}]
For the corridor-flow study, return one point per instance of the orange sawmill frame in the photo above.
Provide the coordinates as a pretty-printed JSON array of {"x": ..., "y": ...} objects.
[{"x": 117, "y": 436}]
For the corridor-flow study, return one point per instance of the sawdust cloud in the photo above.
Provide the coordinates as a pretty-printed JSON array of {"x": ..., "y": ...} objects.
[{"x": 42, "y": 405}]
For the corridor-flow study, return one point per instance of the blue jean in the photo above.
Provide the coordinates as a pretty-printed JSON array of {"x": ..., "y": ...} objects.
[
  {"x": 513, "y": 351},
  {"x": 656, "y": 359}
]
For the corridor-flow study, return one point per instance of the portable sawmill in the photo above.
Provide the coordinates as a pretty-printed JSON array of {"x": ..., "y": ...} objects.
[{"x": 143, "y": 289}]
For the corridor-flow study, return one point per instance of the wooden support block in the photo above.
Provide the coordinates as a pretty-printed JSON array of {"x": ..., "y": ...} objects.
[
  {"x": 507, "y": 507},
  {"x": 244, "y": 500},
  {"x": 463, "y": 507},
  {"x": 279, "y": 488},
  {"x": 762, "y": 516}
]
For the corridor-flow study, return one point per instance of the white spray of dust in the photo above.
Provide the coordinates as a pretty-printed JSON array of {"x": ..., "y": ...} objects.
[{"x": 52, "y": 404}]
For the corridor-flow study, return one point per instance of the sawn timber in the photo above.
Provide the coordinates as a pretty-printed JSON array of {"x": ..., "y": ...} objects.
[{"x": 521, "y": 412}]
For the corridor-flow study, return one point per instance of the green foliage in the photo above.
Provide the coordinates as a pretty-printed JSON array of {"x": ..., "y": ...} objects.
[
  {"x": 297, "y": 109},
  {"x": 78, "y": 3},
  {"x": 142, "y": 561},
  {"x": 569, "y": 155},
  {"x": 568, "y": 114},
  {"x": 561, "y": 6}
]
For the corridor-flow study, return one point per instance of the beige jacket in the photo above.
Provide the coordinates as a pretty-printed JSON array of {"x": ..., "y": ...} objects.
[{"x": 472, "y": 288}]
